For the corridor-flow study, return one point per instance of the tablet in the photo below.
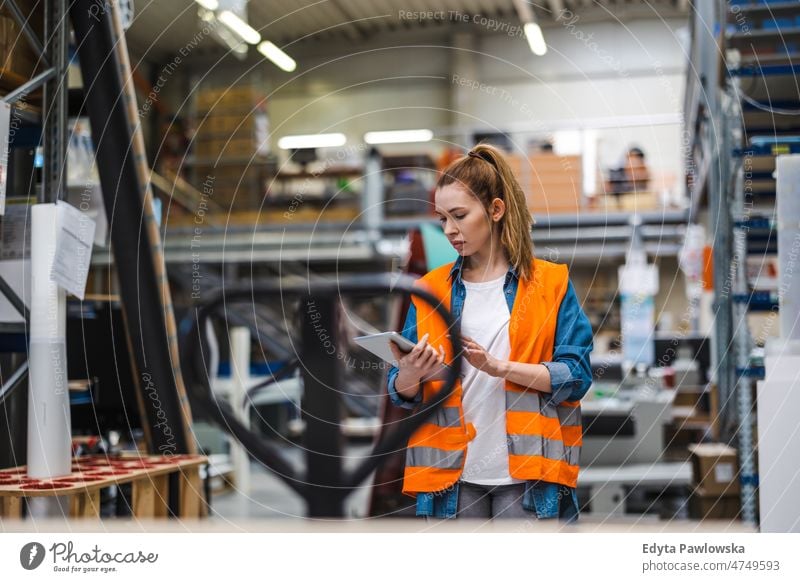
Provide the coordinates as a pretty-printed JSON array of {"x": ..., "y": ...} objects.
[{"x": 378, "y": 344}]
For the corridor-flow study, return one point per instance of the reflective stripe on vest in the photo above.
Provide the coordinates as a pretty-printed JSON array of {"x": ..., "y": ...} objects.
[
  {"x": 432, "y": 457},
  {"x": 543, "y": 439},
  {"x": 543, "y": 447},
  {"x": 447, "y": 416}
]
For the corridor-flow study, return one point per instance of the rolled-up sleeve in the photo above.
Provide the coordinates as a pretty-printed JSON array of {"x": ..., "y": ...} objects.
[
  {"x": 570, "y": 368},
  {"x": 410, "y": 333}
]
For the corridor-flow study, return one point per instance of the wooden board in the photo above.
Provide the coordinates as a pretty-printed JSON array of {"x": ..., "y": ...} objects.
[{"x": 148, "y": 475}]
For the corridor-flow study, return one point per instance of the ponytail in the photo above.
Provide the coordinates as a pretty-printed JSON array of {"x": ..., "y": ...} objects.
[{"x": 485, "y": 172}]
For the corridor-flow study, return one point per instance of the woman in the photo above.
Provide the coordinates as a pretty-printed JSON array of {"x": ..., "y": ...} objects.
[{"x": 507, "y": 440}]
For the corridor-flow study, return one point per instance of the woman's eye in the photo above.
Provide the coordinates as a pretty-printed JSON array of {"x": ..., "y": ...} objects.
[{"x": 459, "y": 217}]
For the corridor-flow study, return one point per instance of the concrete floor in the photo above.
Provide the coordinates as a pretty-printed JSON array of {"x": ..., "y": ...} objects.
[{"x": 270, "y": 497}]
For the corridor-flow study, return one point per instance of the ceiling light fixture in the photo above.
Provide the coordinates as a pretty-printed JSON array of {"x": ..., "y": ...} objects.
[
  {"x": 208, "y": 4},
  {"x": 533, "y": 32},
  {"x": 398, "y": 136},
  {"x": 277, "y": 56},
  {"x": 320, "y": 140},
  {"x": 246, "y": 32}
]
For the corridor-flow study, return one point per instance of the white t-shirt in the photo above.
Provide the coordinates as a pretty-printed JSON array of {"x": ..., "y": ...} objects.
[{"x": 485, "y": 318}]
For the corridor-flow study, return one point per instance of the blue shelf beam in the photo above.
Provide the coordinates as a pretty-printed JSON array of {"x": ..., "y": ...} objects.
[{"x": 758, "y": 300}]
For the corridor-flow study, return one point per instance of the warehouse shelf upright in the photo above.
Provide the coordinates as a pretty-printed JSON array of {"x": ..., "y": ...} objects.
[
  {"x": 706, "y": 163},
  {"x": 739, "y": 102},
  {"x": 51, "y": 52},
  {"x": 21, "y": 94},
  {"x": 762, "y": 85}
]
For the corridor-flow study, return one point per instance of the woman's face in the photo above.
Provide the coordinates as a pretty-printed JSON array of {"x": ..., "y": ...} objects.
[{"x": 464, "y": 219}]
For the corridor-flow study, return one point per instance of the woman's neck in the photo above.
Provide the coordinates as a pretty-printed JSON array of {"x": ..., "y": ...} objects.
[{"x": 486, "y": 265}]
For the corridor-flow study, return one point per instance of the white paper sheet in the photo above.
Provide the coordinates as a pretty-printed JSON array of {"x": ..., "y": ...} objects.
[{"x": 73, "y": 249}]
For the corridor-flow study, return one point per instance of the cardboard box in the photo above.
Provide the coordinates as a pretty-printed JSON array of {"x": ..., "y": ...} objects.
[
  {"x": 715, "y": 468},
  {"x": 244, "y": 124},
  {"x": 705, "y": 505},
  {"x": 555, "y": 184},
  {"x": 243, "y": 185},
  {"x": 627, "y": 202},
  {"x": 237, "y": 147},
  {"x": 244, "y": 173},
  {"x": 227, "y": 100},
  {"x": 16, "y": 55},
  {"x": 552, "y": 184}
]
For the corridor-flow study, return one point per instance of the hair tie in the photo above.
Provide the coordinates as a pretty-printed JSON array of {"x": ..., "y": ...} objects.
[{"x": 478, "y": 156}]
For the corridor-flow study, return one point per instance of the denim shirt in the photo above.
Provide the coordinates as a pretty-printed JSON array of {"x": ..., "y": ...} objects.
[{"x": 570, "y": 379}]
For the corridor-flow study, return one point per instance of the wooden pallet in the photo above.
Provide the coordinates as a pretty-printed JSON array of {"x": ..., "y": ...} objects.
[{"x": 148, "y": 476}]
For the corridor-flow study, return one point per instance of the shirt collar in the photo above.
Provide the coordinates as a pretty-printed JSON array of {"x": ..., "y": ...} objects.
[{"x": 456, "y": 268}]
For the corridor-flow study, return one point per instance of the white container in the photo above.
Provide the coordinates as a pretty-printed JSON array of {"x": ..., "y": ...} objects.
[
  {"x": 49, "y": 434},
  {"x": 787, "y": 174}
]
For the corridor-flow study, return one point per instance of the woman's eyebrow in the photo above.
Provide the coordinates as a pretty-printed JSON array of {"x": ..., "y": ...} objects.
[{"x": 451, "y": 210}]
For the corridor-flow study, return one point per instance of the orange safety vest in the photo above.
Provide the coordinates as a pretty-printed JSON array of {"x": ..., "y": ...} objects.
[{"x": 543, "y": 440}]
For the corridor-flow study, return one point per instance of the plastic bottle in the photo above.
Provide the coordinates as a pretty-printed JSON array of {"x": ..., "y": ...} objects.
[{"x": 638, "y": 284}]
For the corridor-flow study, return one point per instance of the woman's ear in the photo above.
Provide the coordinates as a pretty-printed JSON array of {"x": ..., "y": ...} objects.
[{"x": 498, "y": 209}]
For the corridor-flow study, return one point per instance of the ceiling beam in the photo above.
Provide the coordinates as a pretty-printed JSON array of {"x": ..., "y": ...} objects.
[
  {"x": 524, "y": 11},
  {"x": 556, "y": 7},
  {"x": 352, "y": 21}
]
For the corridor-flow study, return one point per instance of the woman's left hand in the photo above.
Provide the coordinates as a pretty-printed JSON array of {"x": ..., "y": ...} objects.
[{"x": 480, "y": 358}]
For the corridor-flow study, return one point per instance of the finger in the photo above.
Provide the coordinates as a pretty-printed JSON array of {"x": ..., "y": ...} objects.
[
  {"x": 435, "y": 360},
  {"x": 436, "y": 365},
  {"x": 421, "y": 344},
  {"x": 473, "y": 347},
  {"x": 418, "y": 348},
  {"x": 396, "y": 351},
  {"x": 429, "y": 357}
]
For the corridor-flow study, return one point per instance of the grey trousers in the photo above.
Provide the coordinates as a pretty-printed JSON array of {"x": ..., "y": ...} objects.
[{"x": 491, "y": 501}]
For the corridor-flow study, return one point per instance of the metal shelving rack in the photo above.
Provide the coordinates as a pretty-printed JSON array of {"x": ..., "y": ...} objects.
[
  {"x": 52, "y": 54},
  {"x": 733, "y": 150},
  {"x": 758, "y": 88},
  {"x": 576, "y": 238}
]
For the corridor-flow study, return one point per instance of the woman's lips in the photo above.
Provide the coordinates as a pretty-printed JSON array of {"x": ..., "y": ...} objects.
[{"x": 458, "y": 244}]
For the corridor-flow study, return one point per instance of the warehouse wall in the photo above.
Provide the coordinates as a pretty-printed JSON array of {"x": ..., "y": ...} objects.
[
  {"x": 610, "y": 75},
  {"x": 453, "y": 83}
]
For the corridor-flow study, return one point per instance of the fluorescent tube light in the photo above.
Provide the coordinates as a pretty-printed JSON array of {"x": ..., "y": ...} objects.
[
  {"x": 245, "y": 31},
  {"x": 277, "y": 56},
  {"x": 320, "y": 140},
  {"x": 398, "y": 136},
  {"x": 208, "y": 4},
  {"x": 533, "y": 33}
]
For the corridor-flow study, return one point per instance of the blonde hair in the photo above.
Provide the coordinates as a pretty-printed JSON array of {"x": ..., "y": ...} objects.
[{"x": 485, "y": 172}]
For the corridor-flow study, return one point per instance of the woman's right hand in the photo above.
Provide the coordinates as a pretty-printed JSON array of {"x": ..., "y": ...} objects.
[{"x": 420, "y": 362}]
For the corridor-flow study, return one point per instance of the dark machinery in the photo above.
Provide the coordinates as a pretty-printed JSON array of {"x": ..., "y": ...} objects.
[{"x": 325, "y": 485}]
